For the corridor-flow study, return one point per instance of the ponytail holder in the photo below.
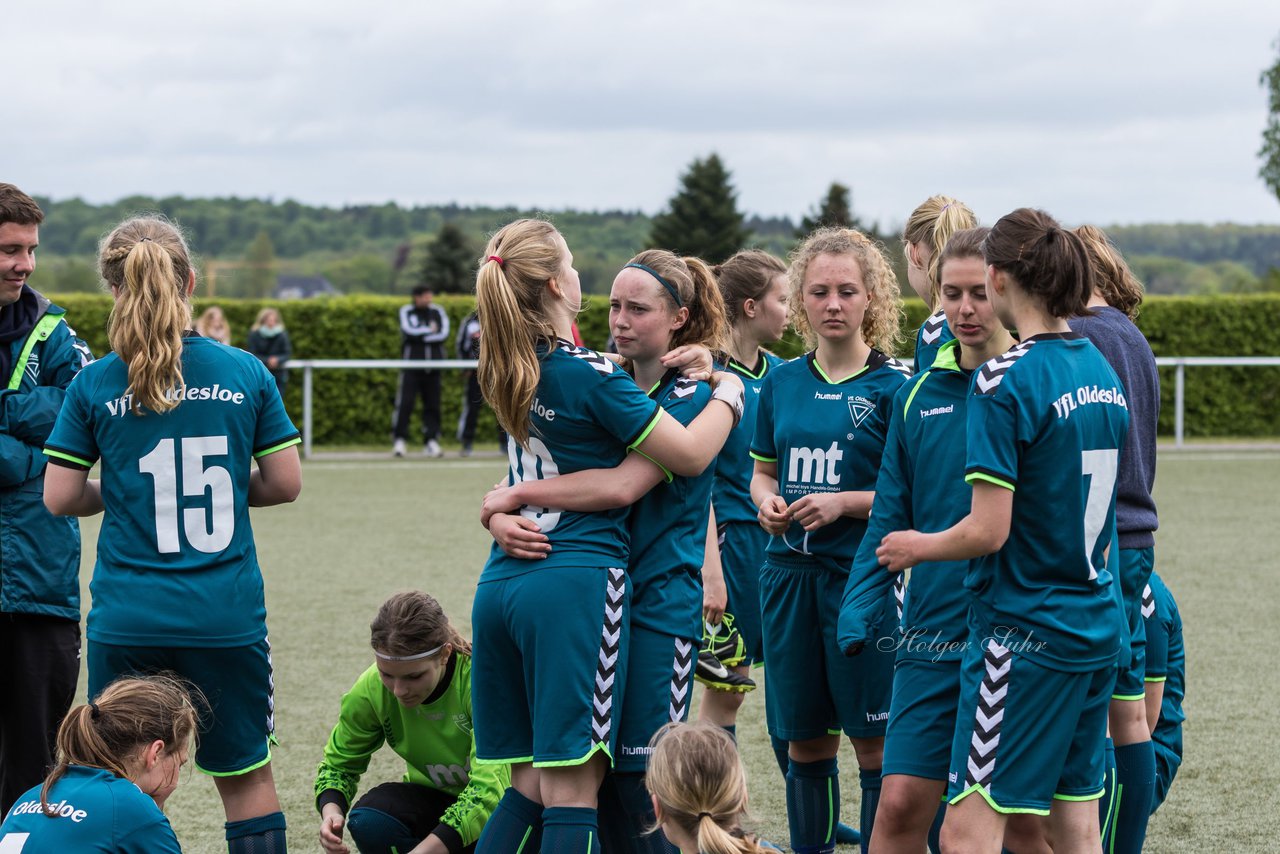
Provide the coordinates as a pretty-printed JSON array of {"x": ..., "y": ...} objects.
[
  {"x": 705, "y": 814},
  {"x": 495, "y": 258},
  {"x": 944, "y": 207},
  {"x": 145, "y": 240},
  {"x": 94, "y": 711},
  {"x": 671, "y": 289}
]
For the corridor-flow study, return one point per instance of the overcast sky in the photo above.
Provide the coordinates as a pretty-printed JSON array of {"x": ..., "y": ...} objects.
[{"x": 1108, "y": 112}]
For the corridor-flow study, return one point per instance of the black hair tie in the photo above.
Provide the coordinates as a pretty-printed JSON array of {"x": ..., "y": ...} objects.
[
  {"x": 94, "y": 711},
  {"x": 703, "y": 815}
]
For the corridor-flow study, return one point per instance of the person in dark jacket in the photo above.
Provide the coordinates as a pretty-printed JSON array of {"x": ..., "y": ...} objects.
[
  {"x": 269, "y": 341},
  {"x": 424, "y": 327},
  {"x": 39, "y": 553}
]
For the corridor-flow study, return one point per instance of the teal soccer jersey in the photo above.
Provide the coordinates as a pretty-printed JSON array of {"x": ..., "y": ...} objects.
[
  {"x": 97, "y": 812},
  {"x": 587, "y": 414},
  {"x": 176, "y": 487},
  {"x": 669, "y": 531},
  {"x": 1166, "y": 662},
  {"x": 921, "y": 486},
  {"x": 825, "y": 436},
  {"x": 731, "y": 494},
  {"x": 933, "y": 333},
  {"x": 1047, "y": 420}
]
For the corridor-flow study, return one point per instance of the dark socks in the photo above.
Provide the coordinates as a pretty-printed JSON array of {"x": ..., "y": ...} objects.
[
  {"x": 935, "y": 831},
  {"x": 1135, "y": 784},
  {"x": 514, "y": 828},
  {"x": 261, "y": 835},
  {"x": 638, "y": 817},
  {"x": 732, "y": 729},
  {"x": 869, "y": 780},
  {"x": 569, "y": 830},
  {"x": 780, "y": 753},
  {"x": 1106, "y": 804},
  {"x": 813, "y": 804}
]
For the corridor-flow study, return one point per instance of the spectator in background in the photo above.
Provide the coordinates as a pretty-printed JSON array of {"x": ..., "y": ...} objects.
[
  {"x": 212, "y": 323},
  {"x": 424, "y": 327},
  {"x": 269, "y": 341},
  {"x": 467, "y": 346},
  {"x": 39, "y": 552}
]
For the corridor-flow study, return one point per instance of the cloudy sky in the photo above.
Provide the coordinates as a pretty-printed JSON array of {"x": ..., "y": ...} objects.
[{"x": 1110, "y": 112}]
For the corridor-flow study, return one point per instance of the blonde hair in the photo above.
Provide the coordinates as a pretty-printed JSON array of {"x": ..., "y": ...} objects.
[
  {"x": 510, "y": 299},
  {"x": 146, "y": 263},
  {"x": 698, "y": 779},
  {"x": 262, "y": 318},
  {"x": 696, "y": 284},
  {"x": 882, "y": 323},
  {"x": 413, "y": 622},
  {"x": 931, "y": 225},
  {"x": 1111, "y": 274},
  {"x": 128, "y": 715},
  {"x": 212, "y": 323}
]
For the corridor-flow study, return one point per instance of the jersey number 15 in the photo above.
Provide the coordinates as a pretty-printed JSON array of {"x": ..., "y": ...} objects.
[{"x": 207, "y": 530}]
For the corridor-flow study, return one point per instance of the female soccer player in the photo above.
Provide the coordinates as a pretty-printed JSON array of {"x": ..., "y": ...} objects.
[
  {"x": 118, "y": 760},
  {"x": 416, "y": 698},
  {"x": 1131, "y": 768},
  {"x": 921, "y": 485},
  {"x": 820, "y": 433},
  {"x": 1045, "y": 425},
  {"x": 699, "y": 790},
  {"x": 558, "y": 635},
  {"x": 659, "y": 302},
  {"x": 176, "y": 420},
  {"x": 755, "y": 290},
  {"x": 928, "y": 229}
]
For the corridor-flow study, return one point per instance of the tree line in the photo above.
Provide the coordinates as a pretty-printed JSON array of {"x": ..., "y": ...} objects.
[{"x": 245, "y": 243}]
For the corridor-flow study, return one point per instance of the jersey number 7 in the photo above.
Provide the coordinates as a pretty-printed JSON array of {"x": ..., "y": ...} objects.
[{"x": 1100, "y": 468}]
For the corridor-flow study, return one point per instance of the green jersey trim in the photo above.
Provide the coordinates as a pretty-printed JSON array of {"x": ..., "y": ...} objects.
[
  {"x": 989, "y": 478},
  {"x": 761, "y": 458},
  {"x": 1154, "y": 679},
  {"x": 906, "y": 407},
  {"x": 666, "y": 473},
  {"x": 740, "y": 368},
  {"x": 823, "y": 374},
  {"x": 1129, "y": 697},
  {"x": 515, "y": 760},
  {"x": 986, "y": 796},
  {"x": 569, "y": 763},
  {"x": 288, "y": 443},
  {"x": 79, "y": 461},
  {"x": 1078, "y": 798},
  {"x": 644, "y": 434},
  {"x": 254, "y": 767}
]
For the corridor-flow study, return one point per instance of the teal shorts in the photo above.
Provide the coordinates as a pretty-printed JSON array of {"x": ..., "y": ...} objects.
[
  {"x": 548, "y": 664},
  {"x": 1027, "y": 735},
  {"x": 818, "y": 690},
  {"x": 659, "y": 685},
  {"x": 1136, "y": 566},
  {"x": 1167, "y": 764},
  {"x": 742, "y": 546},
  {"x": 237, "y": 727},
  {"x": 922, "y": 718}
]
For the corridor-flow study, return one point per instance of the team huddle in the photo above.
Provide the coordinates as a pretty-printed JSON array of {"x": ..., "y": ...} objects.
[{"x": 951, "y": 564}]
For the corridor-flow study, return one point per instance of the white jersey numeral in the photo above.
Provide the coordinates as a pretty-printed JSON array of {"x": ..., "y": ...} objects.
[
  {"x": 207, "y": 530},
  {"x": 535, "y": 463},
  {"x": 1100, "y": 467},
  {"x": 13, "y": 843}
]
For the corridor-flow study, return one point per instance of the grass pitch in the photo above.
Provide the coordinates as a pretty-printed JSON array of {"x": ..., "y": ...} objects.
[{"x": 368, "y": 527}]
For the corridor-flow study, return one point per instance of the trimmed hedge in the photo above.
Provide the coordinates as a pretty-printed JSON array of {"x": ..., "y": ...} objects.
[{"x": 355, "y": 406}]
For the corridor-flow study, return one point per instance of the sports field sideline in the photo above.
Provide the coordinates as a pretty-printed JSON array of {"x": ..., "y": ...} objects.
[{"x": 364, "y": 528}]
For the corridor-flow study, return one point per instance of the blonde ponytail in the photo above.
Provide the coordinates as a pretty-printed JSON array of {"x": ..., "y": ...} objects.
[
  {"x": 931, "y": 226},
  {"x": 147, "y": 265},
  {"x": 519, "y": 261}
]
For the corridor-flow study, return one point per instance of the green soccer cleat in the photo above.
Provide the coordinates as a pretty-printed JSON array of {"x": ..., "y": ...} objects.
[
  {"x": 724, "y": 642},
  {"x": 710, "y": 671}
]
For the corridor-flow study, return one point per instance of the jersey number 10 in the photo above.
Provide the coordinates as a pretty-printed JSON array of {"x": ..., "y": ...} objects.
[{"x": 207, "y": 531}]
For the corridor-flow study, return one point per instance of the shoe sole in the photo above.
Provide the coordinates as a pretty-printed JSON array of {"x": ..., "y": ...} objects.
[{"x": 724, "y": 687}]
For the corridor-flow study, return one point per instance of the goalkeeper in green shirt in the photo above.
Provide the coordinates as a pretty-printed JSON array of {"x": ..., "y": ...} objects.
[{"x": 416, "y": 698}]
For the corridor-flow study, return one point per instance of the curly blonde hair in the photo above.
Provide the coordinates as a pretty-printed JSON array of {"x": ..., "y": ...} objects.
[{"x": 882, "y": 323}]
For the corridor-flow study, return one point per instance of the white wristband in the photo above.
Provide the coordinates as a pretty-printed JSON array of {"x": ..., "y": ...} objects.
[{"x": 732, "y": 395}]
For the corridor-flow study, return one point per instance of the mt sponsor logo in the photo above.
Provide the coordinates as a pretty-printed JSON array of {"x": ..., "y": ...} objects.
[
  {"x": 448, "y": 775},
  {"x": 815, "y": 465}
]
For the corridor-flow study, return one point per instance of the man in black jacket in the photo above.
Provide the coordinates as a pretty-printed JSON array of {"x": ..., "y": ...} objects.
[{"x": 424, "y": 327}]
